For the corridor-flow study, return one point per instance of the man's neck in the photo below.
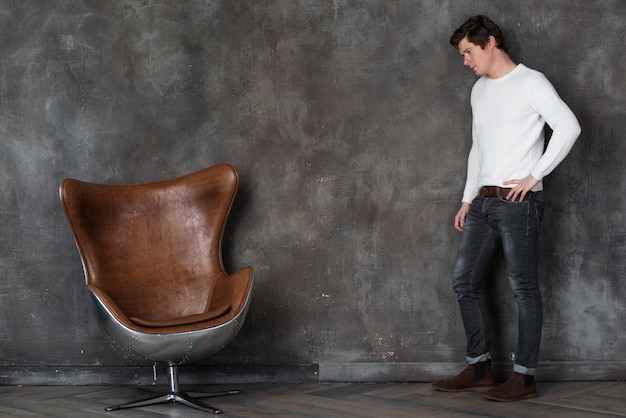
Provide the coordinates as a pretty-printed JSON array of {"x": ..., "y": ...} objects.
[{"x": 501, "y": 66}]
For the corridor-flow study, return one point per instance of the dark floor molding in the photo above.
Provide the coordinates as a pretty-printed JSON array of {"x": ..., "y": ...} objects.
[
  {"x": 325, "y": 373},
  {"x": 426, "y": 372},
  {"x": 143, "y": 375}
]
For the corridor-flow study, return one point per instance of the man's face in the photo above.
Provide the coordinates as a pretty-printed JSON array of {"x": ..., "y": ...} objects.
[{"x": 478, "y": 59}]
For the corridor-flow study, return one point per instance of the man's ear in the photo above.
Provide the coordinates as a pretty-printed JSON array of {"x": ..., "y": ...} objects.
[{"x": 491, "y": 44}]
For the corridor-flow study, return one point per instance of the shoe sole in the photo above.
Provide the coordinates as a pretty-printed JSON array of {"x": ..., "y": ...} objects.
[
  {"x": 495, "y": 398},
  {"x": 480, "y": 389}
]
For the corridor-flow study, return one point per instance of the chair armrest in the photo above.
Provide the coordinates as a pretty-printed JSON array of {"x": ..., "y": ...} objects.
[
  {"x": 232, "y": 290},
  {"x": 109, "y": 304}
]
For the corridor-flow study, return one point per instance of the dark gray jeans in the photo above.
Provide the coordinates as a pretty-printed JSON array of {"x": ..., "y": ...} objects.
[{"x": 494, "y": 222}]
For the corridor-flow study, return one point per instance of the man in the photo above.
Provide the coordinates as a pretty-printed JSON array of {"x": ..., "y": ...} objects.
[{"x": 502, "y": 202}]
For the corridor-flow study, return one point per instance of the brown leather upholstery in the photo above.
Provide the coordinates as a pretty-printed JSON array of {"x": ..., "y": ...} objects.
[
  {"x": 152, "y": 252},
  {"x": 184, "y": 320}
]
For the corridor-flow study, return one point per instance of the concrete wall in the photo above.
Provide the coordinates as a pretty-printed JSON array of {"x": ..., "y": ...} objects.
[{"x": 349, "y": 123}]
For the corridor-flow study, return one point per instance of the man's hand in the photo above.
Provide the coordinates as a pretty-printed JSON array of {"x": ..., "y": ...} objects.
[
  {"x": 459, "y": 219},
  {"x": 523, "y": 186}
]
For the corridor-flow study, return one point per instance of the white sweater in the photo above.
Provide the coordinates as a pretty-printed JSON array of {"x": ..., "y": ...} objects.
[{"x": 509, "y": 114}]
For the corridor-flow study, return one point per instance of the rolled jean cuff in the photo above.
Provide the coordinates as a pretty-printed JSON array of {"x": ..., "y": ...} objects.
[
  {"x": 479, "y": 359},
  {"x": 523, "y": 370}
]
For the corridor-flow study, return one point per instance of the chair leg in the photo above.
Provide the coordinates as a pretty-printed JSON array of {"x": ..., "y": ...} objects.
[{"x": 176, "y": 395}]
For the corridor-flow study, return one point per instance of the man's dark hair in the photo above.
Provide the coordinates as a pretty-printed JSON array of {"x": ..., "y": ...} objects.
[{"x": 478, "y": 29}]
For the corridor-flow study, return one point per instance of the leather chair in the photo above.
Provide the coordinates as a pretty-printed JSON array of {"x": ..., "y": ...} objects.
[{"x": 151, "y": 255}]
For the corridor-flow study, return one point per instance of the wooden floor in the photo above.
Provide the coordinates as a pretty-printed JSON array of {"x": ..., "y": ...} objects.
[{"x": 567, "y": 399}]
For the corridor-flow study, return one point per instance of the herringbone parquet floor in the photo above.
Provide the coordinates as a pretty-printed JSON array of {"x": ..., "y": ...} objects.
[{"x": 563, "y": 399}]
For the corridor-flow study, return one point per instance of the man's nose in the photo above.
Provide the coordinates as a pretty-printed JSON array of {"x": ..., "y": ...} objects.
[{"x": 466, "y": 60}]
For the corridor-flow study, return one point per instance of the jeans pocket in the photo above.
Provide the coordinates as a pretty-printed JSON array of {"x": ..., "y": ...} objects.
[{"x": 514, "y": 202}]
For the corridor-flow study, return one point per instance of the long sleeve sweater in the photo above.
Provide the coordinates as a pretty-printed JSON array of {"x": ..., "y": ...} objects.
[{"x": 509, "y": 114}]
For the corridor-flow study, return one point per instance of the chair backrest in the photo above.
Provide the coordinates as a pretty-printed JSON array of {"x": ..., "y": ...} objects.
[{"x": 154, "y": 248}]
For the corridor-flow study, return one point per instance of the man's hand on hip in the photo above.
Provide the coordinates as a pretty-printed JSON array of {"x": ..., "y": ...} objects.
[{"x": 522, "y": 187}]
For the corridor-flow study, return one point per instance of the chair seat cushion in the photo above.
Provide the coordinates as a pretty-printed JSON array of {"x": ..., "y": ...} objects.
[{"x": 183, "y": 320}]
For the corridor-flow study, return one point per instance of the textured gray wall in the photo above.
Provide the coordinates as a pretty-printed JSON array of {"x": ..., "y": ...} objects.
[{"x": 349, "y": 123}]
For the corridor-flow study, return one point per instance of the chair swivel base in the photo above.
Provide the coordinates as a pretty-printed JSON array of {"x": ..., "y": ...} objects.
[
  {"x": 185, "y": 398},
  {"x": 176, "y": 395}
]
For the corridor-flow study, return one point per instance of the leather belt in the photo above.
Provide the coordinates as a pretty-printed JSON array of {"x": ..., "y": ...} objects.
[{"x": 494, "y": 191}]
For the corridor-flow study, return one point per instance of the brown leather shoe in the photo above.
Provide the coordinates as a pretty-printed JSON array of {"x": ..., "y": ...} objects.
[
  {"x": 475, "y": 378},
  {"x": 518, "y": 387}
]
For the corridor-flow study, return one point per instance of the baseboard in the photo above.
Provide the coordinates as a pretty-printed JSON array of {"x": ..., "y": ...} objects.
[
  {"x": 314, "y": 373},
  {"x": 144, "y": 375},
  {"x": 427, "y": 372}
]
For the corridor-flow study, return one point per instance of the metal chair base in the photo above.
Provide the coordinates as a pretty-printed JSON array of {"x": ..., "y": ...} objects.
[{"x": 176, "y": 395}]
